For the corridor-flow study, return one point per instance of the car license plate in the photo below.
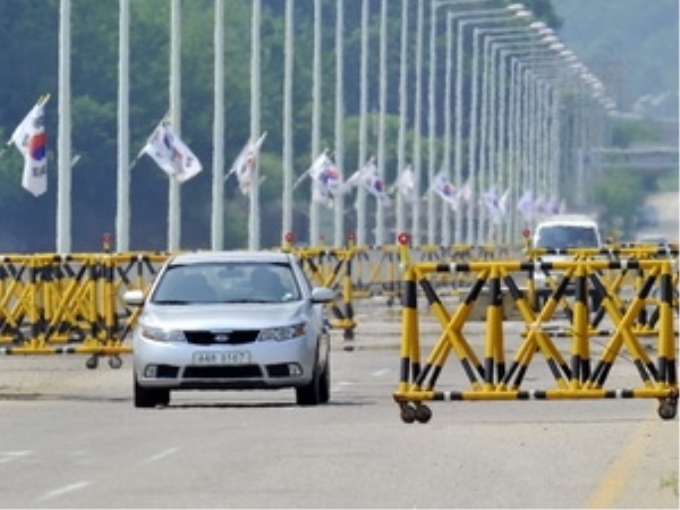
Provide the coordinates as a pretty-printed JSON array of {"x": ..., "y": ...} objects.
[{"x": 221, "y": 358}]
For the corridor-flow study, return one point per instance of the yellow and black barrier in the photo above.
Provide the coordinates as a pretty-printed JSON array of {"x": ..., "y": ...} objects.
[
  {"x": 375, "y": 272},
  {"x": 619, "y": 282},
  {"x": 577, "y": 374},
  {"x": 332, "y": 268},
  {"x": 70, "y": 304}
]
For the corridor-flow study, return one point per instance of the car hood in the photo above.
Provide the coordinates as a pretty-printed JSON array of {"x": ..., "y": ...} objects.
[
  {"x": 232, "y": 315},
  {"x": 556, "y": 258}
]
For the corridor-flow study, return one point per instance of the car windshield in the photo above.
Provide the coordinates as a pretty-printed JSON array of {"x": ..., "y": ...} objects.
[
  {"x": 227, "y": 282},
  {"x": 567, "y": 236}
]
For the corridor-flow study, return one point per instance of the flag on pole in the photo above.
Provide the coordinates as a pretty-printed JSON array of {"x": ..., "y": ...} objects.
[
  {"x": 540, "y": 206},
  {"x": 171, "y": 153},
  {"x": 525, "y": 205},
  {"x": 441, "y": 185},
  {"x": 406, "y": 184},
  {"x": 495, "y": 204},
  {"x": 368, "y": 177},
  {"x": 556, "y": 206},
  {"x": 244, "y": 165},
  {"x": 466, "y": 191},
  {"x": 327, "y": 180},
  {"x": 320, "y": 160},
  {"x": 503, "y": 202},
  {"x": 29, "y": 138}
]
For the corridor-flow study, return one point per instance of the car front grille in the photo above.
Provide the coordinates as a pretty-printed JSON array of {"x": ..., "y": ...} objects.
[
  {"x": 221, "y": 337},
  {"x": 167, "y": 372},
  {"x": 223, "y": 372}
]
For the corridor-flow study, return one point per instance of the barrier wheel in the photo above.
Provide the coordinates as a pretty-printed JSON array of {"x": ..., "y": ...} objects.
[
  {"x": 423, "y": 413},
  {"x": 92, "y": 362},
  {"x": 408, "y": 413},
  {"x": 668, "y": 408},
  {"x": 115, "y": 362}
]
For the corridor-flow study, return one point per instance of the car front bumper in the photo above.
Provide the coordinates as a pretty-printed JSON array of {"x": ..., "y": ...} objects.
[{"x": 257, "y": 365}]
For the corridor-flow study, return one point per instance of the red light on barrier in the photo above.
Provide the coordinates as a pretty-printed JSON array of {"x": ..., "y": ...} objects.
[
  {"x": 106, "y": 241},
  {"x": 403, "y": 238},
  {"x": 289, "y": 237}
]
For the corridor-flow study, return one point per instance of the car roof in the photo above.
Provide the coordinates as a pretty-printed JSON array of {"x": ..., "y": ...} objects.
[
  {"x": 568, "y": 219},
  {"x": 231, "y": 256}
]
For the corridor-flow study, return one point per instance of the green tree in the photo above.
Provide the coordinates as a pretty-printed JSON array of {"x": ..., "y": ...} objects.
[{"x": 620, "y": 197}]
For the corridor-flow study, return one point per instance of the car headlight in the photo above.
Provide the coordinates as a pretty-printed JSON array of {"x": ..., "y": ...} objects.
[
  {"x": 160, "y": 334},
  {"x": 283, "y": 333}
]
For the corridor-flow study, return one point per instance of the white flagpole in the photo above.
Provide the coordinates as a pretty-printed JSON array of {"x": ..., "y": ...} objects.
[
  {"x": 174, "y": 190},
  {"x": 122, "y": 239},
  {"x": 254, "y": 211},
  {"x": 63, "y": 227},
  {"x": 287, "y": 221},
  {"x": 301, "y": 178},
  {"x": 217, "y": 220}
]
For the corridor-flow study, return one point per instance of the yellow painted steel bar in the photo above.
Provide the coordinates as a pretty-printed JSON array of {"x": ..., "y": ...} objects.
[
  {"x": 623, "y": 335},
  {"x": 30, "y": 349},
  {"x": 666, "y": 346},
  {"x": 494, "y": 357},
  {"x": 409, "y": 349},
  {"x": 451, "y": 337},
  {"x": 539, "y": 394},
  {"x": 453, "y": 327},
  {"x": 580, "y": 350}
]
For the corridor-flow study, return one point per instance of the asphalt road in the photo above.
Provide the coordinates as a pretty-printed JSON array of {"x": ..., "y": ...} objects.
[{"x": 70, "y": 438}]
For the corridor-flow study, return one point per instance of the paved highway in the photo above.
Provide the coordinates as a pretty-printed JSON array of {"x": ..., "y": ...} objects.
[{"x": 70, "y": 438}]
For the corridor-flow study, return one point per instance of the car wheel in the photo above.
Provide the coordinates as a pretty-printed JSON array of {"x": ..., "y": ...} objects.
[
  {"x": 150, "y": 397},
  {"x": 325, "y": 383},
  {"x": 310, "y": 394},
  {"x": 163, "y": 397}
]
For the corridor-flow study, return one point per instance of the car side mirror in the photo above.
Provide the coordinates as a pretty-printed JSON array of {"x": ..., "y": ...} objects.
[
  {"x": 322, "y": 295},
  {"x": 134, "y": 297}
]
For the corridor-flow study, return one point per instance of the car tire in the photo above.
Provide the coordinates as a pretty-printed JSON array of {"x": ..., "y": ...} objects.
[
  {"x": 313, "y": 393},
  {"x": 326, "y": 383},
  {"x": 150, "y": 397}
]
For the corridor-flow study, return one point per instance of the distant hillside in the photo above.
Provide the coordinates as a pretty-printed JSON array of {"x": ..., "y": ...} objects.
[{"x": 631, "y": 45}]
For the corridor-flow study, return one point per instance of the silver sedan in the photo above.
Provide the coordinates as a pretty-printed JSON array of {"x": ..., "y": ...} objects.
[{"x": 231, "y": 320}]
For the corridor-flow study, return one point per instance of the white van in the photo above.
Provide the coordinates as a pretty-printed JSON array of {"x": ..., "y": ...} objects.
[
  {"x": 561, "y": 232},
  {"x": 567, "y": 231}
]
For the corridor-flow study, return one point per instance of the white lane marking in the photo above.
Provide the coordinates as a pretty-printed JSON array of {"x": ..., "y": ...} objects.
[
  {"x": 13, "y": 455},
  {"x": 340, "y": 385},
  {"x": 65, "y": 490},
  {"x": 159, "y": 456}
]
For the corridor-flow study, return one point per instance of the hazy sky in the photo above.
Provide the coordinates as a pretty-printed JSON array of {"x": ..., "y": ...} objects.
[{"x": 631, "y": 45}]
